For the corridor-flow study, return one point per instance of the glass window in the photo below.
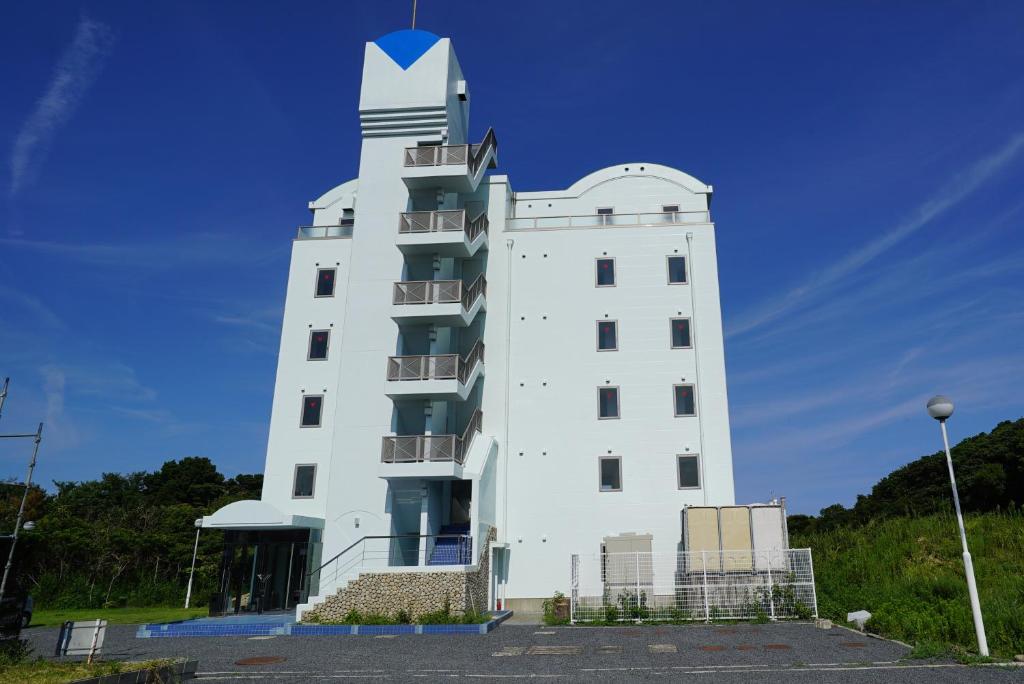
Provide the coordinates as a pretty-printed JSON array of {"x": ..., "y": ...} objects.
[
  {"x": 305, "y": 477},
  {"x": 605, "y": 211},
  {"x": 685, "y": 400},
  {"x": 311, "y": 407},
  {"x": 607, "y": 402},
  {"x": 670, "y": 208},
  {"x": 680, "y": 333},
  {"x": 611, "y": 473},
  {"x": 688, "y": 467},
  {"x": 325, "y": 282},
  {"x": 605, "y": 272},
  {"x": 676, "y": 270},
  {"x": 607, "y": 336},
  {"x": 318, "y": 341}
]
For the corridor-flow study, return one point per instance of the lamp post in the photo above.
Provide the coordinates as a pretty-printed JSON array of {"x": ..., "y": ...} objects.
[
  {"x": 940, "y": 408},
  {"x": 195, "y": 550}
]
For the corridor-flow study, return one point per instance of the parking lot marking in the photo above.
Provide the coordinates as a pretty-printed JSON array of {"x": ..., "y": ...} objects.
[
  {"x": 712, "y": 648},
  {"x": 510, "y": 651},
  {"x": 778, "y": 647},
  {"x": 554, "y": 650},
  {"x": 609, "y": 649},
  {"x": 662, "y": 648},
  {"x": 543, "y": 632}
]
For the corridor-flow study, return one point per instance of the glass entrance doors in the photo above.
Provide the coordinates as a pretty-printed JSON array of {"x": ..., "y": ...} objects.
[{"x": 264, "y": 570}]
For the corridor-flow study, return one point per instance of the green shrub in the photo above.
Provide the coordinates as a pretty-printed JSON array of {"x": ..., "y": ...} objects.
[{"x": 551, "y": 616}]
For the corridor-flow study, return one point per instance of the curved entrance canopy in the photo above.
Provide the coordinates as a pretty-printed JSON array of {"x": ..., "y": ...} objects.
[{"x": 258, "y": 515}]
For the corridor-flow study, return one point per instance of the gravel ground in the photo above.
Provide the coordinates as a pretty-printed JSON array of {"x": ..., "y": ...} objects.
[{"x": 735, "y": 653}]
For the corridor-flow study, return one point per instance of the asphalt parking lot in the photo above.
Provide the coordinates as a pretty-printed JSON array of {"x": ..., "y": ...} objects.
[{"x": 730, "y": 653}]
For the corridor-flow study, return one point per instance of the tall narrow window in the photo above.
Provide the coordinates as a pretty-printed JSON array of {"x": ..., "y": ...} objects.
[
  {"x": 680, "y": 333},
  {"x": 604, "y": 215},
  {"x": 607, "y": 402},
  {"x": 305, "y": 479},
  {"x": 312, "y": 405},
  {"x": 688, "y": 469},
  {"x": 318, "y": 342},
  {"x": 605, "y": 272},
  {"x": 610, "y": 468},
  {"x": 607, "y": 336},
  {"x": 685, "y": 400},
  {"x": 676, "y": 270},
  {"x": 325, "y": 282}
]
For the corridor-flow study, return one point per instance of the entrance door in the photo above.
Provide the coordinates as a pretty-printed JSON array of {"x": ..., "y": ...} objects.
[{"x": 462, "y": 492}]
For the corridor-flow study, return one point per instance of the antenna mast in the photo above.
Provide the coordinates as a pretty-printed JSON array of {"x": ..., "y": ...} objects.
[{"x": 414, "y": 15}]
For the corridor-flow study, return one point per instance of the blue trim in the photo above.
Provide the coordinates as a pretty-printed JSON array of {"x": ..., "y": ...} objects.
[{"x": 406, "y": 46}]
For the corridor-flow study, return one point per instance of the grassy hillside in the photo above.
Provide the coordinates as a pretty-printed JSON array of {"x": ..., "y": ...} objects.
[{"x": 908, "y": 572}]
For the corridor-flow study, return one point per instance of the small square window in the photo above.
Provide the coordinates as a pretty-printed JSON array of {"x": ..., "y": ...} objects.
[
  {"x": 312, "y": 405},
  {"x": 605, "y": 211},
  {"x": 605, "y": 272},
  {"x": 680, "y": 333},
  {"x": 688, "y": 470},
  {"x": 607, "y": 336},
  {"x": 685, "y": 401},
  {"x": 670, "y": 208},
  {"x": 607, "y": 402},
  {"x": 305, "y": 479},
  {"x": 325, "y": 282},
  {"x": 318, "y": 343},
  {"x": 676, "y": 270},
  {"x": 610, "y": 473}
]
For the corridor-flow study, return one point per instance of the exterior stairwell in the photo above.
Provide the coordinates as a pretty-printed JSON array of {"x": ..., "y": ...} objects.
[{"x": 452, "y": 547}]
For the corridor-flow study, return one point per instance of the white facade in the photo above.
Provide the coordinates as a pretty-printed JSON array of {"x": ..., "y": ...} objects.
[{"x": 532, "y": 469}]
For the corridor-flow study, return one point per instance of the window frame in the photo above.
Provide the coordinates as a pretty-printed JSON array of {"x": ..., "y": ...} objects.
[
  {"x": 600, "y": 474},
  {"x": 618, "y": 402},
  {"x": 675, "y": 407},
  {"x": 295, "y": 481},
  {"x": 679, "y": 474},
  {"x": 603, "y": 213},
  {"x": 316, "y": 282},
  {"x": 672, "y": 332},
  {"x": 668, "y": 269},
  {"x": 597, "y": 332},
  {"x": 670, "y": 208},
  {"x": 597, "y": 272},
  {"x": 302, "y": 411},
  {"x": 309, "y": 345}
]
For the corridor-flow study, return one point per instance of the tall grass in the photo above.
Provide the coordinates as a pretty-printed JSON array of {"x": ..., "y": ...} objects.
[{"x": 908, "y": 572}]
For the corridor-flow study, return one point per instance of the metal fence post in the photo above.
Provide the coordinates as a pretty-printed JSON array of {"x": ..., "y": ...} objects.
[
  {"x": 574, "y": 570},
  {"x": 771, "y": 589},
  {"x": 704, "y": 568},
  {"x": 814, "y": 592},
  {"x": 637, "y": 597}
]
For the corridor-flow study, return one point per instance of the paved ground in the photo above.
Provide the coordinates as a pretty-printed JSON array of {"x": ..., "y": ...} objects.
[{"x": 740, "y": 653}]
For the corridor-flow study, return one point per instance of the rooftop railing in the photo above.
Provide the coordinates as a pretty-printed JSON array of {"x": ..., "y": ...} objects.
[
  {"x": 609, "y": 220},
  {"x": 439, "y": 367},
  {"x": 318, "y": 232},
  {"x": 442, "y": 221},
  {"x": 431, "y": 448},
  {"x": 441, "y": 155},
  {"x": 439, "y": 291}
]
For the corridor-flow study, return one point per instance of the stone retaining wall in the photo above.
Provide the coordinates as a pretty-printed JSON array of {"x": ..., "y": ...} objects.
[{"x": 416, "y": 593}]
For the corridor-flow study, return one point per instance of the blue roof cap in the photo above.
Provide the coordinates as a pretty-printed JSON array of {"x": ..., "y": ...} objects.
[{"x": 406, "y": 46}]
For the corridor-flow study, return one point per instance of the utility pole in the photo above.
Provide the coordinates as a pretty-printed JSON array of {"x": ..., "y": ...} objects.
[
  {"x": 21, "y": 509},
  {"x": 3, "y": 395},
  {"x": 413, "y": 15}
]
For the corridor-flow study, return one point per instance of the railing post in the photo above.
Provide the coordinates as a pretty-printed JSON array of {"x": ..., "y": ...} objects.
[
  {"x": 704, "y": 568},
  {"x": 637, "y": 597},
  {"x": 771, "y": 589},
  {"x": 814, "y": 591}
]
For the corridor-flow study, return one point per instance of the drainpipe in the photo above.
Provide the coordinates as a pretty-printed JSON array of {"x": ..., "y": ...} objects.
[
  {"x": 508, "y": 384},
  {"x": 692, "y": 278}
]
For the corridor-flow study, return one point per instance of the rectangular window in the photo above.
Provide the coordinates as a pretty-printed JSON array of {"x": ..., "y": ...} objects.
[
  {"x": 680, "y": 333},
  {"x": 688, "y": 468},
  {"x": 685, "y": 401},
  {"x": 605, "y": 272},
  {"x": 312, "y": 404},
  {"x": 305, "y": 478},
  {"x": 607, "y": 336},
  {"x": 325, "y": 282},
  {"x": 318, "y": 342},
  {"x": 605, "y": 215},
  {"x": 676, "y": 270},
  {"x": 607, "y": 402},
  {"x": 670, "y": 208},
  {"x": 611, "y": 473}
]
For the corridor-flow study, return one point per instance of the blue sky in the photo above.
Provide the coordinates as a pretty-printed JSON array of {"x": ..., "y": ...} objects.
[{"x": 868, "y": 162}]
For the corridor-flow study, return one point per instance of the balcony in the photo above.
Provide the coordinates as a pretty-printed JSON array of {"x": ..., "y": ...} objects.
[
  {"x": 343, "y": 230},
  {"x": 442, "y": 378},
  {"x": 663, "y": 218},
  {"x": 446, "y": 303},
  {"x": 456, "y": 168},
  {"x": 447, "y": 233},
  {"x": 428, "y": 456}
]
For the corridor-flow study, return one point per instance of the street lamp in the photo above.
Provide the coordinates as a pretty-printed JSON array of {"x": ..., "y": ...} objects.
[
  {"x": 195, "y": 550},
  {"x": 940, "y": 408}
]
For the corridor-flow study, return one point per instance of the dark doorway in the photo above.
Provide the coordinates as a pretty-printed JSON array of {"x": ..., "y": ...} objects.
[
  {"x": 264, "y": 570},
  {"x": 462, "y": 493}
]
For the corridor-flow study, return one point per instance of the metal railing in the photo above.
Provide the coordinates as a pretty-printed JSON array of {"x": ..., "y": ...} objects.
[
  {"x": 379, "y": 552},
  {"x": 318, "y": 232},
  {"x": 439, "y": 367},
  {"x": 438, "y": 291},
  {"x": 609, "y": 220},
  {"x": 431, "y": 448},
  {"x": 442, "y": 155},
  {"x": 693, "y": 585},
  {"x": 442, "y": 221}
]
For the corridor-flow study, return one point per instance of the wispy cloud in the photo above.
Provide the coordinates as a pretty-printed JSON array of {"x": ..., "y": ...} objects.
[
  {"x": 74, "y": 74},
  {"x": 951, "y": 194},
  {"x": 33, "y": 305}
]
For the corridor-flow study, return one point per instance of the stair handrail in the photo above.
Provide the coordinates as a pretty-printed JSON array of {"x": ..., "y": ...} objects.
[
  {"x": 489, "y": 142},
  {"x": 467, "y": 363},
  {"x": 380, "y": 536},
  {"x": 469, "y": 294}
]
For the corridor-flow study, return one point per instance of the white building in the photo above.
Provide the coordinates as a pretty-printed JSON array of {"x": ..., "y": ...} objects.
[{"x": 598, "y": 409}]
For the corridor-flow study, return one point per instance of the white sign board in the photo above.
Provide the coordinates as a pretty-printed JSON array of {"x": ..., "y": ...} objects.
[{"x": 81, "y": 638}]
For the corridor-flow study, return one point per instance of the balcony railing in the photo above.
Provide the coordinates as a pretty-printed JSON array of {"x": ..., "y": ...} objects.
[
  {"x": 431, "y": 448},
  {"x": 442, "y": 221},
  {"x": 609, "y": 220},
  {"x": 443, "y": 367},
  {"x": 439, "y": 291},
  {"x": 442, "y": 155},
  {"x": 317, "y": 232}
]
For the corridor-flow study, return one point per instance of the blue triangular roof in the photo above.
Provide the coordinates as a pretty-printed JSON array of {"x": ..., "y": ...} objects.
[{"x": 406, "y": 46}]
